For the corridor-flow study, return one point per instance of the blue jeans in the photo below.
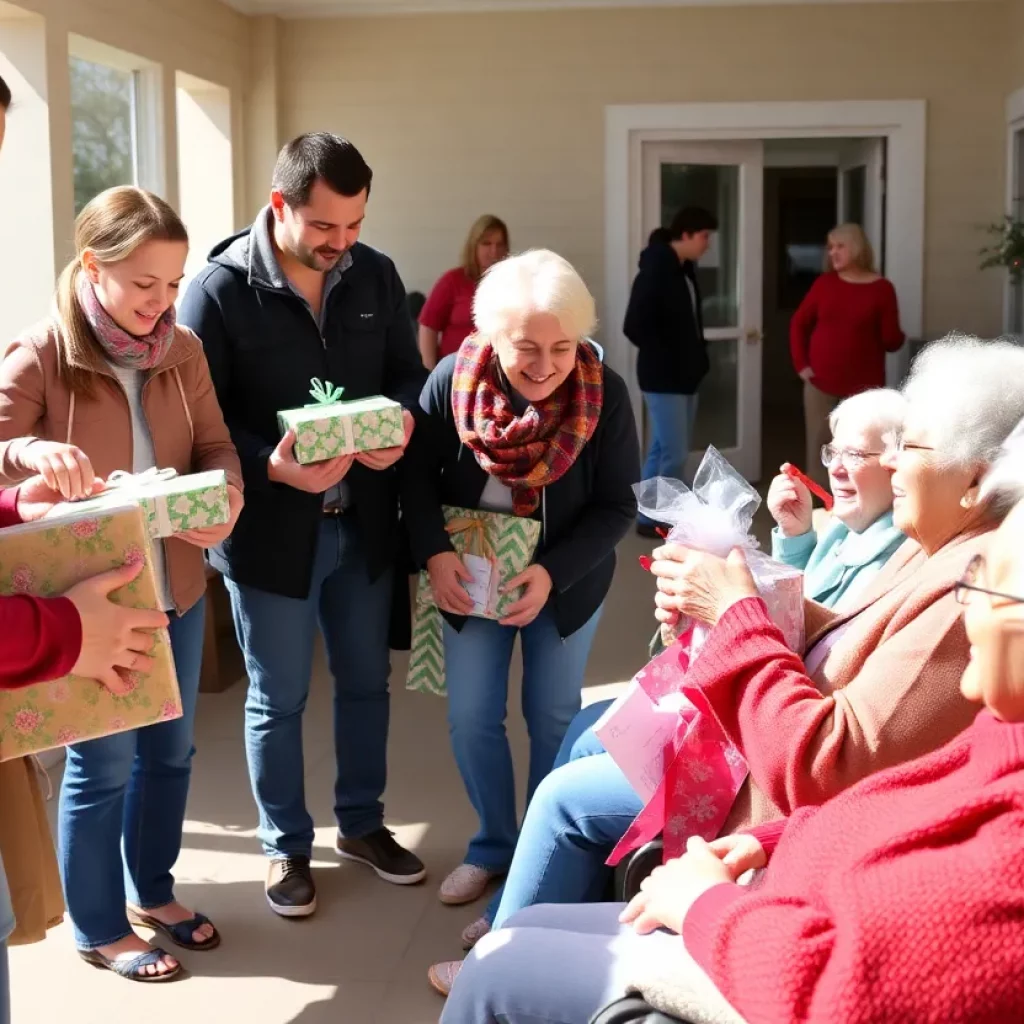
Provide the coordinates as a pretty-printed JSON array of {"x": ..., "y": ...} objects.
[
  {"x": 671, "y": 419},
  {"x": 477, "y": 663},
  {"x": 122, "y": 807},
  {"x": 578, "y": 814},
  {"x": 277, "y": 634}
]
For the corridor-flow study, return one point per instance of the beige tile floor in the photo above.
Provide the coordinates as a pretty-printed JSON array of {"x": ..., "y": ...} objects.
[{"x": 363, "y": 957}]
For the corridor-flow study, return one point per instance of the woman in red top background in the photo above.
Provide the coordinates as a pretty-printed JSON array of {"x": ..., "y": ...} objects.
[
  {"x": 839, "y": 336},
  {"x": 447, "y": 318}
]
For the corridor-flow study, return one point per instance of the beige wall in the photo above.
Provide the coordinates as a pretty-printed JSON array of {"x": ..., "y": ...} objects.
[{"x": 459, "y": 114}]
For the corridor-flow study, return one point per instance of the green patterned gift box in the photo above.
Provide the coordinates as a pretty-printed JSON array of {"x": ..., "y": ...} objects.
[
  {"x": 330, "y": 427},
  {"x": 44, "y": 559},
  {"x": 508, "y": 544},
  {"x": 170, "y": 503}
]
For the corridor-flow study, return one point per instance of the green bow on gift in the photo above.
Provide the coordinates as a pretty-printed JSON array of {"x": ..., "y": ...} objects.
[{"x": 324, "y": 392}]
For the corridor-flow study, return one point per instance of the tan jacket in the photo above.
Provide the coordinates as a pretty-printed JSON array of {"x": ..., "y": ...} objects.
[
  {"x": 180, "y": 405},
  {"x": 891, "y": 682}
]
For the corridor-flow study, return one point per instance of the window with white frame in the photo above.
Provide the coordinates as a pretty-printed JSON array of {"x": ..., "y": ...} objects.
[
  {"x": 1015, "y": 303},
  {"x": 113, "y": 132}
]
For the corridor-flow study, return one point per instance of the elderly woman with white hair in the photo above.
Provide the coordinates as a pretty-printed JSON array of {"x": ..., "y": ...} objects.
[
  {"x": 523, "y": 420},
  {"x": 862, "y": 537},
  {"x": 878, "y": 684}
]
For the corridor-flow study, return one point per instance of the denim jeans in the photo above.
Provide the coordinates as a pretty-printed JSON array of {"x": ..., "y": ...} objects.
[
  {"x": 477, "y": 663},
  {"x": 122, "y": 807},
  {"x": 277, "y": 635},
  {"x": 671, "y": 419},
  {"x": 578, "y": 814}
]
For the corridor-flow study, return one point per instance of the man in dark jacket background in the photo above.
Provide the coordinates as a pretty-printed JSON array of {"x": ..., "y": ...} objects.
[
  {"x": 664, "y": 321},
  {"x": 297, "y": 296}
]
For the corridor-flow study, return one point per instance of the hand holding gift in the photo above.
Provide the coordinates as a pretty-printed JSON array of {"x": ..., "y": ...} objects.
[
  {"x": 283, "y": 468},
  {"x": 36, "y": 498},
  {"x": 384, "y": 458},
  {"x": 211, "y": 536},
  {"x": 536, "y": 584},
  {"x": 447, "y": 574},
  {"x": 64, "y": 468},
  {"x": 699, "y": 585},
  {"x": 115, "y": 639}
]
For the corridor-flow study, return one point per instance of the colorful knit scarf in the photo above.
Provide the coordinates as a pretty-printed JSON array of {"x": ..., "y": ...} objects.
[
  {"x": 123, "y": 349},
  {"x": 528, "y": 452}
]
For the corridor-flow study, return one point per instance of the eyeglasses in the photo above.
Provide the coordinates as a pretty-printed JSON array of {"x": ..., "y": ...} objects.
[
  {"x": 896, "y": 443},
  {"x": 969, "y": 584},
  {"x": 851, "y": 458}
]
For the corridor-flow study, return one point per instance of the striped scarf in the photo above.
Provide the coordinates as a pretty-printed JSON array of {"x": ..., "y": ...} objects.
[{"x": 529, "y": 452}]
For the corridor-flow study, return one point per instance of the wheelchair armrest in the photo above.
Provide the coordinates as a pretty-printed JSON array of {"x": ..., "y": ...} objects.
[{"x": 635, "y": 868}]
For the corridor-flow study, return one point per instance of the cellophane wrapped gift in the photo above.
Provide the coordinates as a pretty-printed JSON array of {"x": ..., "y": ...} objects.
[
  {"x": 47, "y": 557},
  {"x": 329, "y": 427},
  {"x": 496, "y": 548},
  {"x": 171, "y": 503},
  {"x": 659, "y": 731}
]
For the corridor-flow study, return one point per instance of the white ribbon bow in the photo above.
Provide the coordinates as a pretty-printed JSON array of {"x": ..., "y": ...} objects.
[{"x": 133, "y": 483}]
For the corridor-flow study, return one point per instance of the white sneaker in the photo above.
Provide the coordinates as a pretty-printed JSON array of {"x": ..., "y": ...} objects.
[
  {"x": 474, "y": 932},
  {"x": 464, "y": 885}
]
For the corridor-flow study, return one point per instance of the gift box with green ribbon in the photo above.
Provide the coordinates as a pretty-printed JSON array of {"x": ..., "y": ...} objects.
[
  {"x": 496, "y": 548},
  {"x": 171, "y": 503},
  {"x": 329, "y": 427},
  {"x": 47, "y": 557}
]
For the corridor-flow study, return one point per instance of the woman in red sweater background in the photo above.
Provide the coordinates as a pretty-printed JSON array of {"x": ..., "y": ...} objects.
[
  {"x": 841, "y": 332},
  {"x": 446, "y": 319}
]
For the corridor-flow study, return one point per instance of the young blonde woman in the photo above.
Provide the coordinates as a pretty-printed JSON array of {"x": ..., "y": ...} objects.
[
  {"x": 446, "y": 319},
  {"x": 839, "y": 336},
  {"x": 110, "y": 382}
]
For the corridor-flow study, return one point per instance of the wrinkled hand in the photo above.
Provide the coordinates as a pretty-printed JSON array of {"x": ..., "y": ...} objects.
[
  {"x": 315, "y": 478},
  {"x": 447, "y": 571},
  {"x": 537, "y": 588},
  {"x": 668, "y": 892},
  {"x": 64, "y": 467},
  {"x": 36, "y": 497},
  {"x": 211, "y": 536},
  {"x": 790, "y": 504},
  {"x": 740, "y": 853},
  {"x": 115, "y": 640},
  {"x": 385, "y": 458},
  {"x": 698, "y": 585},
  {"x": 807, "y": 374}
]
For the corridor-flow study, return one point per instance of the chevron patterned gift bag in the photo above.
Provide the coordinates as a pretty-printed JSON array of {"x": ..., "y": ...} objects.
[{"x": 505, "y": 545}]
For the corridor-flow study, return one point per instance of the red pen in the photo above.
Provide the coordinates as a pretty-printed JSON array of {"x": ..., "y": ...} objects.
[{"x": 816, "y": 489}]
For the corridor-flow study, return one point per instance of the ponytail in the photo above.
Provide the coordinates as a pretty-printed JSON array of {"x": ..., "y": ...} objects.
[{"x": 77, "y": 349}]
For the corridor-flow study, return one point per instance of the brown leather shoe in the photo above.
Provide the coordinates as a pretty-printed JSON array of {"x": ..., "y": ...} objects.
[{"x": 290, "y": 888}]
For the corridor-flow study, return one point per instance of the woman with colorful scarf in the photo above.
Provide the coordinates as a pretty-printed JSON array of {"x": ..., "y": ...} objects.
[
  {"x": 109, "y": 383},
  {"x": 524, "y": 420}
]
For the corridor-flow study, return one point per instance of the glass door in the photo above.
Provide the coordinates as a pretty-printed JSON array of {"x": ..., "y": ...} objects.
[
  {"x": 726, "y": 178},
  {"x": 861, "y": 193}
]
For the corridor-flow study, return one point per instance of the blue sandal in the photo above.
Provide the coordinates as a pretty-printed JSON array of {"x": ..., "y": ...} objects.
[
  {"x": 181, "y": 933},
  {"x": 134, "y": 969}
]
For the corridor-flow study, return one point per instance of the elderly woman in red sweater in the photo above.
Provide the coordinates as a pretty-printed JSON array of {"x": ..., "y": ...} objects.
[
  {"x": 900, "y": 899},
  {"x": 839, "y": 336}
]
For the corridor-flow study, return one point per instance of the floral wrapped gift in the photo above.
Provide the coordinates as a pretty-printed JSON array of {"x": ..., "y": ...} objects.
[
  {"x": 495, "y": 549},
  {"x": 329, "y": 427},
  {"x": 46, "y": 558},
  {"x": 171, "y": 503}
]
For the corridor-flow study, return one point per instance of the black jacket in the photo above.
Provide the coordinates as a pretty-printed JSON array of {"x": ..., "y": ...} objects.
[
  {"x": 584, "y": 514},
  {"x": 662, "y": 323},
  {"x": 263, "y": 345}
]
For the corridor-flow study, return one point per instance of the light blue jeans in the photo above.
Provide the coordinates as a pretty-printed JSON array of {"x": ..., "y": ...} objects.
[
  {"x": 277, "y": 635},
  {"x": 477, "y": 661},
  {"x": 671, "y": 419},
  {"x": 578, "y": 814},
  {"x": 122, "y": 807}
]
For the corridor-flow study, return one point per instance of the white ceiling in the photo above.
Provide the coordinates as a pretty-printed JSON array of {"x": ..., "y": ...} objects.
[{"x": 325, "y": 8}]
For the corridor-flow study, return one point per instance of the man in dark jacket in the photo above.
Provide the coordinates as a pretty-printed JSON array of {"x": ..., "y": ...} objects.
[
  {"x": 296, "y": 296},
  {"x": 664, "y": 321}
]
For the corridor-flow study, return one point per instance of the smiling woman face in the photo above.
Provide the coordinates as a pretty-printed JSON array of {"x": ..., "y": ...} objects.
[{"x": 538, "y": 358}]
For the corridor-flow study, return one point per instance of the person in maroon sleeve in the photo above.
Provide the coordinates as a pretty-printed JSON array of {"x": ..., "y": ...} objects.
[
  {"x": 839, "y": 336},
  {"x": 446, "y": 319}
]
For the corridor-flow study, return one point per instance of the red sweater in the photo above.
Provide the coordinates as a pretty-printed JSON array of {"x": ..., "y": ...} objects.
[
  {"x": 40, "y": 638},
  {"x": 900, "y": 900},
  {"x": 449, "y": 310},
  {"x": 842, "y": 332}
]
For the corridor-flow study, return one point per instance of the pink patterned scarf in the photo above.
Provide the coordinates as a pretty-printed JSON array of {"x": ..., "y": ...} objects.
[{"x": 123, "y": 349}]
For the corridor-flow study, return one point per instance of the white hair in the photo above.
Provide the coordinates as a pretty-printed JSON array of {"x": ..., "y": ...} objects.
[
  {"x": 880, "y": 409},
  {"x": 1003, "y": 486},
  {"x": 969, "y": 395},
  {"x": 537, "y": 281}
]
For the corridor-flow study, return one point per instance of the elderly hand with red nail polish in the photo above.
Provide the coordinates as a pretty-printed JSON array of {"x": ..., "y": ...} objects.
[{"x": 698, "y": 585}]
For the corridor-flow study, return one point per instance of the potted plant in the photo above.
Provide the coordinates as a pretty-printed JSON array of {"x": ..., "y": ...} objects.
[{"x": 1007, "y": 250}]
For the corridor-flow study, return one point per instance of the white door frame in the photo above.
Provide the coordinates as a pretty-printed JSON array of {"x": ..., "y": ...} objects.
[
  {"x": 1014, "y": 124},
  {"x": 627, "y": 128}
]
